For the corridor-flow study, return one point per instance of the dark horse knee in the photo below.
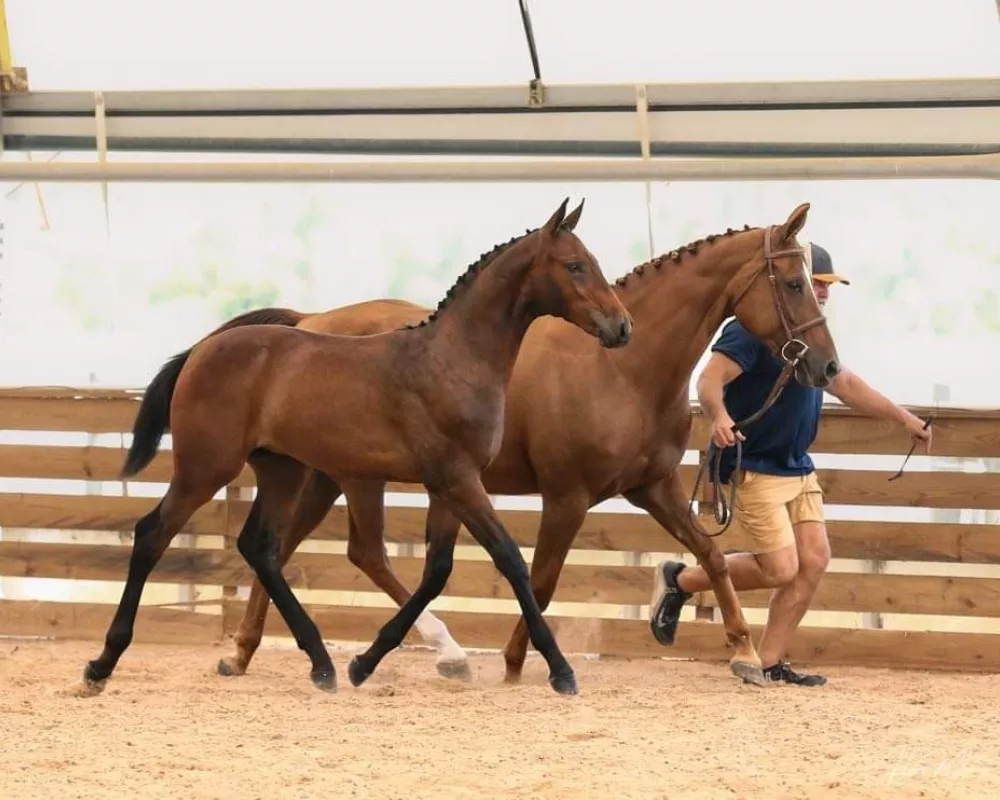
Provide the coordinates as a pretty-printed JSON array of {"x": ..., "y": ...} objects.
[
  {"x": 508, "y": 559},
  {"x": 256, "y": 543},
  {"x": 439, "y": 569}
]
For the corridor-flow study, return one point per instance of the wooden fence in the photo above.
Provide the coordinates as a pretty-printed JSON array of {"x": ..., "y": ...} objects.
[{"x": 892, "y": 581}]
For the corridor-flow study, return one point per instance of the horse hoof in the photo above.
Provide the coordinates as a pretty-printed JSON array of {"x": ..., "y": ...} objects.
[
  {"x": 325, "y": 679},
  {"x": 750, "y": 673},
  {"x": 93, "y": 682},
  {"x": 357, "y": 673},
  {"x": 87, "y": 689},
  {"x": 93, "y": 674},
  {"x": 564, "y": 683},
  {"x": 454, "y": 670},
  {"x": 227, "y": 668}
]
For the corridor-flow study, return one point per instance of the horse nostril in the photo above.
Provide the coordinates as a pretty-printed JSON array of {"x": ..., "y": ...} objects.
[
  {"x": 832, "y": 369},
  {"x": 625, "y": 331}
]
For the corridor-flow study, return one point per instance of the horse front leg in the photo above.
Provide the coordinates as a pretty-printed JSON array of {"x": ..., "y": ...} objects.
[
  {"x": 561, "y": 519},
  {"x": 665, "y": 501}
]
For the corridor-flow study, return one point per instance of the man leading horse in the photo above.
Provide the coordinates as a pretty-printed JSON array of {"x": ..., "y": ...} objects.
[{"x": 780, "y": 501}]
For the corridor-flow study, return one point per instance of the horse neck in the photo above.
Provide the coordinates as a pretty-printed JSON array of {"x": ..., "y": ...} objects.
[
  {"x": 487, "y": 319},
  {"x": 677, "y": 308}
]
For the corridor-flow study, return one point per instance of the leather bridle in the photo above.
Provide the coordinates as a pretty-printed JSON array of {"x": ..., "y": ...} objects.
[{"x": 792, "y": 352}]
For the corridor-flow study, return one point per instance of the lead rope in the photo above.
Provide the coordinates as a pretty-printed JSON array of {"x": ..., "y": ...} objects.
[{"x": 927, "y": 424}]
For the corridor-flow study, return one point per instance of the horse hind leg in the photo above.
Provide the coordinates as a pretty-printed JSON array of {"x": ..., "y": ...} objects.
[
  {"x": 441, "y": 531},
  {"x": 366, "y": 550},
  {"x": 153, "y": 534},
  {"x": 258, "y": 544},
  {"x": 293, "y": 492}
]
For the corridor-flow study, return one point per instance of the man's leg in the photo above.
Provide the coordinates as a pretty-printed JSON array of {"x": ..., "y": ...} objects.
[
  {"x": 789, "y": 603},
  {"x": 761, "y": 511},
  {"x": 794, "y": 571}
]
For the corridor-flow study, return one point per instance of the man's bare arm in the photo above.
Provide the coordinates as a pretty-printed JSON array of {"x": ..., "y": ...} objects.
[
  {"x": 853, "y": 392},
  {"x": 719, "y": 371}
]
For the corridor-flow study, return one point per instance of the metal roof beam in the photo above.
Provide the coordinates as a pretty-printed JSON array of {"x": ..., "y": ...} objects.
[
  {"x": 823, "y": 119},
  {"x": 572, "y": 96}
]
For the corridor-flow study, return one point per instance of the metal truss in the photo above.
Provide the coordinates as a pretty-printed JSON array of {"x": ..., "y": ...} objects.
[{"x": 938, "y": 128}]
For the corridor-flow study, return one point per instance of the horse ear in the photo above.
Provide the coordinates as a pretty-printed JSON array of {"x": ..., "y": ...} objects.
[
  {"x": 552, "y": 226},
  {"x": 569, "y": 223},
  {"x": 795, "y": 222}
]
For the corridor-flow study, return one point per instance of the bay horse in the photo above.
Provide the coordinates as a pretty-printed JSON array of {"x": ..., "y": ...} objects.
[
  {"x": 424, "y": 404},
  {"x": 582, "y": 424}
]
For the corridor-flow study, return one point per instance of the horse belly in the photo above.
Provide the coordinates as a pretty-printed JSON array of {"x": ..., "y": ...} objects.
[
  {"x": 608, "y": 461},
  {"x": 351, "y": 448},
  {"x": 509, "y": 476}
]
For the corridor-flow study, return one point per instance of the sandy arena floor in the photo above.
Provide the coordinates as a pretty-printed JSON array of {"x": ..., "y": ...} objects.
[{"x": 168, "y": 727}]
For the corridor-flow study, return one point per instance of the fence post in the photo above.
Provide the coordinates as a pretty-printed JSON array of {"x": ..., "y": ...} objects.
[
  {"x": 633, "y": 558},
  {"x": 234, "y": 494}
]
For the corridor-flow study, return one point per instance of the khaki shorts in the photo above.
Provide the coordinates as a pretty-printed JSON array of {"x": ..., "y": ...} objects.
[{"x": 767, "y": 506}]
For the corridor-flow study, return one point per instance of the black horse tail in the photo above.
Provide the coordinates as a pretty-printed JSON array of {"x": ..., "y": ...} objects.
[{"x": 153, "y": 417}]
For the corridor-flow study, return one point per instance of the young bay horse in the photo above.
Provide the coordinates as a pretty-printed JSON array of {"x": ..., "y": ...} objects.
[
  {"x": 582, "y": 424},
  {"x": 420, "y": 405}
]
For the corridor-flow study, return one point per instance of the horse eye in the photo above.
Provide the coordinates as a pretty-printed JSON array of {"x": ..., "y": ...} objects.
[
  {"x": 795, "y": 286},
  {"x": 575, "y": 267}
]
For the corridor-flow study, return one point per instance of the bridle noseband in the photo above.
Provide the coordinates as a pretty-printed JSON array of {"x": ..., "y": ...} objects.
[{"x": 792, "y": 352}]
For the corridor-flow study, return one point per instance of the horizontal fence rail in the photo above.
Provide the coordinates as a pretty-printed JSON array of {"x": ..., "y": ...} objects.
[{"x": 66, "y": 527}]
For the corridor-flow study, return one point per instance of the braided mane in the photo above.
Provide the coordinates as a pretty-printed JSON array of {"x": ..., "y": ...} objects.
[
  {"x": 466, "y": 279},
  {"x": 675, "y": 255}
]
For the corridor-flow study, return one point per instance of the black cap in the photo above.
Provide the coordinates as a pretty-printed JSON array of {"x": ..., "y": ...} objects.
[{"x": 822, "y": 266}]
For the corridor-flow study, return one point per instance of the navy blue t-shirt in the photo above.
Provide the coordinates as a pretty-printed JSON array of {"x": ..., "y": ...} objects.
[{"x": 777, "y": 443}]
